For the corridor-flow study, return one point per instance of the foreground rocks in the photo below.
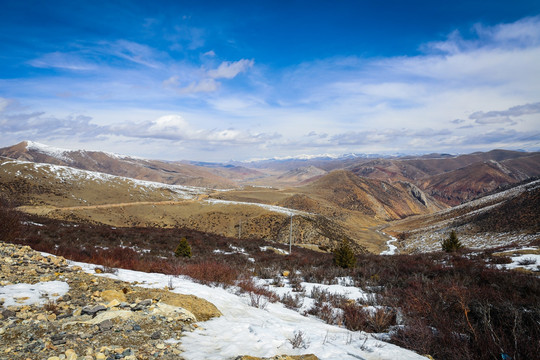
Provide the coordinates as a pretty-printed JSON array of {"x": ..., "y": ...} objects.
[{"x": 98, "y": 318}]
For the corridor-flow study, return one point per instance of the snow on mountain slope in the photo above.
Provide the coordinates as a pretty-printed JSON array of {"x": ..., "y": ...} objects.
[
  {"x": 63, "y": 154},
  {"x": 79, "y": 178}
]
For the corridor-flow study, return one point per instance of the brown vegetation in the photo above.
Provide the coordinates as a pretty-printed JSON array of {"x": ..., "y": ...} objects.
[{"x": 450, "y": 306}]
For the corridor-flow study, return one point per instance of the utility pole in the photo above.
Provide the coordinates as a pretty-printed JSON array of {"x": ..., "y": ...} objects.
[{"x": 290, "y": 237}]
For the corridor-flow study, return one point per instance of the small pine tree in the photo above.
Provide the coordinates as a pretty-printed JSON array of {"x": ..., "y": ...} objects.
[
  {"x": 183, "y": 249},
  {"x": 452, "y": 243},
  {"x": 344, "y": 255}
]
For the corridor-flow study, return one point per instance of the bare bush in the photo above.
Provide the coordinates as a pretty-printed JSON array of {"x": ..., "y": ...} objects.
[
  {"x": 381, "y": 320},
  {"x": 291, "y": 302},
  {"x": 324, "y": 311},
  {"x": 299, "y": 341},
  {"x": 258, "y": 300},
  {"x": 355, "y": 318},
  {"x": 527, "y": 261},
  {"x": 211, "y": 272}
]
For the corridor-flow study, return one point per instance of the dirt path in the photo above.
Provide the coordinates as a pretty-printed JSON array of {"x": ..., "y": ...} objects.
[{"x": 45, "y": 209}]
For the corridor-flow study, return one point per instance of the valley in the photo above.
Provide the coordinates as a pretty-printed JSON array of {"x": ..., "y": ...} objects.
[
  {"x": 262, "y": 237},
  {"x": 330, "y": 199}
]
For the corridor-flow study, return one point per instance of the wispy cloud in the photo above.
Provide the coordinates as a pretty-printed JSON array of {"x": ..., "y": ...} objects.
[
  {"x": 229, "y": 70},
  {"x": 64, "y": 61}
]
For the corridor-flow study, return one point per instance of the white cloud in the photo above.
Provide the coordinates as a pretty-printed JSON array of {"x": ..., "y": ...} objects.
[
  {"x": 229, "y": 70},
  {"x": 59, "y": 60},
  {"x": 174, "y": 127},
  {"x": 204, "y": 85}
]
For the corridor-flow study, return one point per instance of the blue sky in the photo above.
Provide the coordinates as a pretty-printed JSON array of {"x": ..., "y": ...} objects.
[{"x": 222, "y": 80}]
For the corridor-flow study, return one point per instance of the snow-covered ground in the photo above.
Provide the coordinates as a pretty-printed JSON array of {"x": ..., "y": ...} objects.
[
  {"x": 246, "y": 330},
  {"x": 392, "y": 249},
  {"x": 29, "y": 294},
  {"x": 526, "y": 258},
  {"x": 272, "y": 208}
]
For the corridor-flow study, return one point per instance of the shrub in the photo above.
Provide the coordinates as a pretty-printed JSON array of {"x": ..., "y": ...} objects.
[
  {"x": 291, "y": 302},
  {"x": 211, "y": 272},
  {"x": 451, "y": 244},
  {"x": 527, "y": 261},
  {"x": 9, "y": 221},
  {"x": 344, "y": 256},
  {"x": 355, "y": 317},
  {"x": 299, "y": 341},
  {"x": 183, "y": 249}
]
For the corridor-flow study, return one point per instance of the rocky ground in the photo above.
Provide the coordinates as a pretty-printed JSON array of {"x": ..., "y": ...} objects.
[{"x": 96, "y": 318}]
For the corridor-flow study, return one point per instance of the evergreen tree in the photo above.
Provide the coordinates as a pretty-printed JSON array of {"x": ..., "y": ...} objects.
[
  {"x": 183, "y": 249},
  {"x": 344, "y": 255},
  {"x": 452, "y": 243}
]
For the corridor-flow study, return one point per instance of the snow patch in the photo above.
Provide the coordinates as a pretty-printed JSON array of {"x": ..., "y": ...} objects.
[
  {"x": 29, "y": 294},
  {"x": 273, "y": 208}
]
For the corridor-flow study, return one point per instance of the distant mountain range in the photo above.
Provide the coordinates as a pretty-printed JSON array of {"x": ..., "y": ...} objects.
[{"x": 449, "y": 179}]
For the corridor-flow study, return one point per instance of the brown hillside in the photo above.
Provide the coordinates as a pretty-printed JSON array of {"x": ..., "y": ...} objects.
[
  {"x": 151, "y": 170},
  {"x": 372, "y": 197},
  {"x": 464, "y": 184},
  {"x": 499, "y": 219}
]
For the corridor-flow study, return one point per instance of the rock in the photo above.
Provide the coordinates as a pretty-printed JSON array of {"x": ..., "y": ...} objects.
[
  {"x": 127, "y": 352},
  {"x": 142, "y": 305},
  {"x": 8, "y": 313},
  {"x": 71, "y": 354},
  {"x": 93, "y": 310},
  {"x": 113, "y": 303},
  {"x": 174, "y": 311},
  {"x": 105, "y": 325},
  {"x": 35, "y": 346},
  {"x": 100, "y": 356},
  {"x": 201, "y": 308},
  {"x": 109, "y": 315},
  {"x": 110, "y": 295},
  {"x": 156, "y": 335},
  {"x": 58, "y": 340}
]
